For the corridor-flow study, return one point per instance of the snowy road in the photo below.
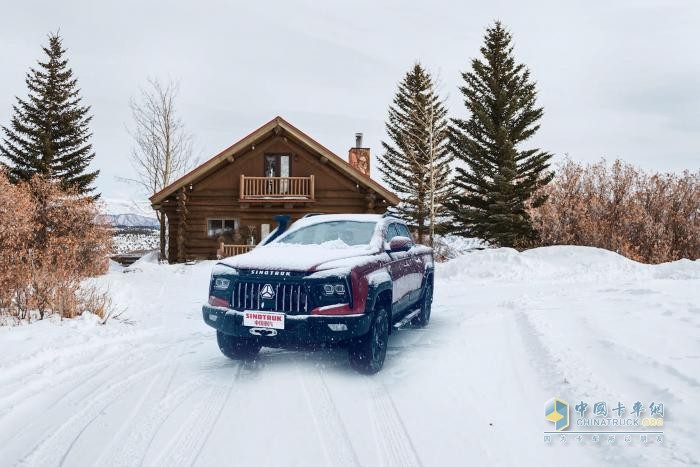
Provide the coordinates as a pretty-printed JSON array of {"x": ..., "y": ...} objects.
[{"x": 509, "y": 331}]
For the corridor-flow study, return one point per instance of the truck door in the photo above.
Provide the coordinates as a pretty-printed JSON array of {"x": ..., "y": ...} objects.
[
  {"x": 414, "y": 267},
  {"x": 398, "y": 269}
]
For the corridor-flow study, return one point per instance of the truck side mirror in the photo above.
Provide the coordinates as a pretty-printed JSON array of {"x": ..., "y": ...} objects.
[{"x": 400, "y": 243}]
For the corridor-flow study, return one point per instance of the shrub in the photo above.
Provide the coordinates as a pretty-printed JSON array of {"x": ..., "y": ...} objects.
[
  {"x": 49, "y": 243},
  {"x": 651, "y": 218}
]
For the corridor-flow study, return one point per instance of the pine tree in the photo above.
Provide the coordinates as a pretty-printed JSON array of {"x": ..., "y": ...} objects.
[
  {"x": 501, "y": 179},
  {"x": 49, "y": 133},
  {"x": 416, "y": 164}
]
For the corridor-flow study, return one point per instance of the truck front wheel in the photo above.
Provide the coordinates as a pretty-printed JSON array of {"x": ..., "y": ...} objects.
[
  {"x": 425, "y": 304},
  {"x": 237, "y": 348},
  {"x": 368, "y": 352}
]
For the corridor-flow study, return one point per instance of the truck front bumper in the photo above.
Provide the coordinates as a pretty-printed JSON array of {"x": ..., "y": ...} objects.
[{"x": 298, "y": 329}]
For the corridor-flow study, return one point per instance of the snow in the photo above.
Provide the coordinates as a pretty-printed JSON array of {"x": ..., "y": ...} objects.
[
  {"x": 125, "y": 241},
  {"x": 296, "y": 257},
  {"x": 508, "y": 332}
]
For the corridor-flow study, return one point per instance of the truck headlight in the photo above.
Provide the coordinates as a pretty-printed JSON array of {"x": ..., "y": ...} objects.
[
  {"x": 221, "y": 284},
  {"x": 333, "y": 289}
]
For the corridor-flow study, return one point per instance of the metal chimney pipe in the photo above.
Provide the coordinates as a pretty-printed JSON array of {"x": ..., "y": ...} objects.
[{"x": 358, "y": 140}]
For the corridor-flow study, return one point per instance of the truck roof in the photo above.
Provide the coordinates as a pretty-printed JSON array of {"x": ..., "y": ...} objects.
[{"x": 320, "y": 218}]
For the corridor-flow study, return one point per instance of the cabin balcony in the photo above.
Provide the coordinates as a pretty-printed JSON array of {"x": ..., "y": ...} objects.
[{"x": 277, "y": 189}]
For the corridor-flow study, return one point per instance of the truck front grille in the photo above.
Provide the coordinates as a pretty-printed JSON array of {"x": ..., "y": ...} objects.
[{"x": 288, "y": 298}]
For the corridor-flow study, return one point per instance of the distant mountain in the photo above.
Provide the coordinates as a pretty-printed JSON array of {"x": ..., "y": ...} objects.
[
  {"x": 127, "y": 213},
  {"x": 129, "y": 220},
  {"x": 127, "y": 206}
]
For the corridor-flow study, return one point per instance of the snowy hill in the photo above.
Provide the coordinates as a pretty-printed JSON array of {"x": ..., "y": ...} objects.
[
  {"x": 508, "y": 332},
  {"x": 129, "y": 220},
  {"x": 128, "y": 213}
]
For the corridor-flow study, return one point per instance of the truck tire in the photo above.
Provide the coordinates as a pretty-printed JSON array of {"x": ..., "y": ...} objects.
[
  {"x": 426, "y": 304},
  {"x": 237, "y": 348},
  {"x": 367, "y": 353}
]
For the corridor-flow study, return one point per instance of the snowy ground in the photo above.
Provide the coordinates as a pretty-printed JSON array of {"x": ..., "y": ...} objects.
[
  {"x": 127, "y": 240},
  {"x": 509, "y": 331}
]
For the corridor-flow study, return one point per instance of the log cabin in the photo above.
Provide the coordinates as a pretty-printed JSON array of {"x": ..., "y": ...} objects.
[{"x": 225, "y": 206}]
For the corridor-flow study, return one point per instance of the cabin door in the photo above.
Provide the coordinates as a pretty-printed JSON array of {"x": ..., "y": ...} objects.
[{"x": 277, "y": 165}]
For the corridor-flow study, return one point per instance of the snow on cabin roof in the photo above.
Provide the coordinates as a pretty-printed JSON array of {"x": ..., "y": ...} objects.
[{"x": 272, "y": 126}]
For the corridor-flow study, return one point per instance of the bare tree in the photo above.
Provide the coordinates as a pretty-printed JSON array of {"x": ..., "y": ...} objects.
[{"x": 162, "y": 148}]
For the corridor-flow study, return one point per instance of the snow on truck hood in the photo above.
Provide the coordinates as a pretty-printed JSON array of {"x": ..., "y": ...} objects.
[
  {"x": 291, "y": 257},
  {"x": 329, "y": 255}
]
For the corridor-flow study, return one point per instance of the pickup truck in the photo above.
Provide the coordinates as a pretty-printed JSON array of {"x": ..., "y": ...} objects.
[{"x": 345, "y": 279}]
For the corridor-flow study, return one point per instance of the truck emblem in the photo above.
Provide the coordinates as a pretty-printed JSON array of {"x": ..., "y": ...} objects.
[{"x": 266, "y": 292}]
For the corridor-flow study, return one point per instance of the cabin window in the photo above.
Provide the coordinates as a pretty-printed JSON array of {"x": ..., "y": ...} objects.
[
  {"x": 217, "y": 227},
  {"x": 277, "y": 165}
]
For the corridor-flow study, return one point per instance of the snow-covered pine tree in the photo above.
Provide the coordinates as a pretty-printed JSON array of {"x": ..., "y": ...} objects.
[
  {"x": 501, "y": 178},
  {"x": 49, "y": 133},
  {"x": 416, "y": 163}
]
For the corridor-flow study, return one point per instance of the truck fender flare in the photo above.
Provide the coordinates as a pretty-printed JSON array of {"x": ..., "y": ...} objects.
[{"x": 375, "y": 291}]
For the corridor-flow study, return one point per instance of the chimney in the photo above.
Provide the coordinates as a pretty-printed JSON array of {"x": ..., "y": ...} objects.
[{"x": 358, "y": 157}]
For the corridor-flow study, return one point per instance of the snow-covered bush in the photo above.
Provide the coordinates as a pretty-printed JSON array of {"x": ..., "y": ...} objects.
[
  {"x": 49, "y": 243},
  {"x": 446, "y": 247},
  {"x": 651, "y": 218}
]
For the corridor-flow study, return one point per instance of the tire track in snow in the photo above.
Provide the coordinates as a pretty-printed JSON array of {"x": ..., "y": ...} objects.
[
  {"x": 330, "y": 428},
  {"x": 54, "y": 450},
  {"x": 578, "y": 372},
  {"x": 62, "y": 376},
  {"x": 190, "y": 439},
  {"x": 130, "y": 444},
  {"x": 37, "y": 363},
  {"x": 395, "y": 444},
  {"x": 70, "y": 397}
]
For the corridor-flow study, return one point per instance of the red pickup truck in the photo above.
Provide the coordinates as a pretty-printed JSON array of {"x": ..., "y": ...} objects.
[{"x": 346, "y": 279}]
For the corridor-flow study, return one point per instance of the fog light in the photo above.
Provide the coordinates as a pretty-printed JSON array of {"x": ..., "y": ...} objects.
[{"x": 338, "y": 327}]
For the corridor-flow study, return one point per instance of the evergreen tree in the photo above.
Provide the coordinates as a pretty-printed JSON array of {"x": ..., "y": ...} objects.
[
  {"x": 49, "y": 133},
  {"x": 501, "y": 179},
  {"x": 416, "y": 164}
]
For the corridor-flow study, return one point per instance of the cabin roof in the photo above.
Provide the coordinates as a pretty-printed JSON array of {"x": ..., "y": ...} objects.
[{"x": 261, "y": 133}]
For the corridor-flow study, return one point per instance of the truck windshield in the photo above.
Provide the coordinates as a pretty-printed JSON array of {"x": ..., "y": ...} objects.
[{"x": 352, "y": 233}]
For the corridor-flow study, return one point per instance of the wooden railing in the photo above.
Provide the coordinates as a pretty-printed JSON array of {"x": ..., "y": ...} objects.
[
  {"x": 233, "y": 250},
  {"x": 277, "y": 188}
]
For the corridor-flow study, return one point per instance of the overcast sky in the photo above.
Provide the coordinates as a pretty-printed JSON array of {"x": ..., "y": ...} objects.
[{"x": 617, "y": 79}]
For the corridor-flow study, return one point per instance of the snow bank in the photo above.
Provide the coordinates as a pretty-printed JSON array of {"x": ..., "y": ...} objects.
[
  {"x": 149, "y": 258},
  {"x": 681, "y": 269},
  {"x": 561, "y": 264}
]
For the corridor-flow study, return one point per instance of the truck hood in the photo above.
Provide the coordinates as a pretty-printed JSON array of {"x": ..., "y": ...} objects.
[{"x": 307, "y": 258}]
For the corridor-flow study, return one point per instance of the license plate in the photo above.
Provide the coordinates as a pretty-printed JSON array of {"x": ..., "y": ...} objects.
[{"x": 261, "y": 319}]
